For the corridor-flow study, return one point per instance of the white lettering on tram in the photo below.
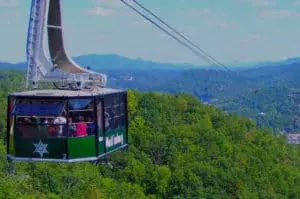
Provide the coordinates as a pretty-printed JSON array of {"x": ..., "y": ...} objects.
[{"x": 114, "y": 140}]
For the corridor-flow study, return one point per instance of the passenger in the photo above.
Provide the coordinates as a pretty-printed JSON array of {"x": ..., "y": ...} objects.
[
  {"x": 32, "y": 119},
  {"x": 44, "y": 127},
  {"x": 71, "y": 127},
  {"x": 91, "y": 126},
  {"x": 25, "y": 127},
  {"x": 36, "y": 129},
  {"x": 106, "y": 119},
  {"x": 81, "y": 127},
  {"x": 46, "y": 121},
  {"x": 60, "y": 122},
  {"x": 52, "y": 130}
]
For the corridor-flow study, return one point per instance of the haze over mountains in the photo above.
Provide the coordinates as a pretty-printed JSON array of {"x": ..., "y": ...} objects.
[
  {"x": 115, "y": 62},
  {"x": 137, "y": 73},
  {"x": 249, "y": 91}
]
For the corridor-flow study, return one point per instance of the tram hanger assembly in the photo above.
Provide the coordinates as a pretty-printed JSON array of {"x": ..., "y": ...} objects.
[{"x": 80, "y": 120}]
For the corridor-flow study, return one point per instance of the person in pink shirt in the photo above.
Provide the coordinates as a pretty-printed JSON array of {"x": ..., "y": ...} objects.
[{"x": 81, "y": 127}]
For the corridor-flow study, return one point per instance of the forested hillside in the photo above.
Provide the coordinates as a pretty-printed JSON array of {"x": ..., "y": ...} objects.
[
  {"x": 179, "y": 148},
  {"x": 260, "y": 93},
  {"x": 9, "y": 81}
]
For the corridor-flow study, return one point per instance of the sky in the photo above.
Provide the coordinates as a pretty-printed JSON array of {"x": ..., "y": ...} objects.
[{"x": 233, "y": 31}]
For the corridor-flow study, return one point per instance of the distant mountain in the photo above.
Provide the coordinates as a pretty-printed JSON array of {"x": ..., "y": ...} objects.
[
  {"x": 137, "y": 73},
  {"x": 286, "y": 73},
  {"x": 211, "y": 84},
  {"x": 10, "y": 66},
  {"x": 243, "y": 66},
  {"x": 112, "y": 62},
  {"x": 249, "y": 91},
  {"x": 289, "y": 61},
  {"x": 205, "y": 84},
  {"x": 116, "y": 62}
]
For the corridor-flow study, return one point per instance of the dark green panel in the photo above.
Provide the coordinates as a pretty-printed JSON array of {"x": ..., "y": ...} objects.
[
  {"x": 110, "y": 132},
  {"x": 115, "y": 138},
  {"x": 53, "y": 148},
  {"x": 101, "y": 142},
  {"x": 80, "y": 147},
  {"x": 101, "y": 147}
]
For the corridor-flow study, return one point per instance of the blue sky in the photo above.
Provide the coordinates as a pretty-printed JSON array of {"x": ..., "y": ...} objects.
[{"x": 230, "y": 30}]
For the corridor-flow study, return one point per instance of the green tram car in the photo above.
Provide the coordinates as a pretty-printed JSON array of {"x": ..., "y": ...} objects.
[{"x": 66, "y": 125}]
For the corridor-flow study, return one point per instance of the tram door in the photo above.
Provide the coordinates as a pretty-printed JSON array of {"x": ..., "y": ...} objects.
[
  {"x": 10, "y": 126},
  {"x": 115, "y": 121},
  {"x": 81, "y": 128},
  {"x": 100, "y": 126}
]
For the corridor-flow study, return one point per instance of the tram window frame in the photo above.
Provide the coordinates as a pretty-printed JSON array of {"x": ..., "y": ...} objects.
[
  {"x": 115, "y": 105},
  {"x": 99, "y": 113},
  {"x": 10, "y": 121},
  {"x": 30, "y": 122},
  {"x": 81, "y": 111}
]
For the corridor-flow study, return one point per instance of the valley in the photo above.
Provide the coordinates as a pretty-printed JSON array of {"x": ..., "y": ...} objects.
[{"x": 258, "y": 92}]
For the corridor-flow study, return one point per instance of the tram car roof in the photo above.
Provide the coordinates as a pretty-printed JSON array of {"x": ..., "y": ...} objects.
[{"x": 67, "y": 93}]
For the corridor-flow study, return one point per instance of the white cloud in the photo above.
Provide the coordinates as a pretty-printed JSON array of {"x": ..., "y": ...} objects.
[
  {"x": 8, "y": 3},
  {"x": 7, "y": 18},
  {"x": 163, "y": 36},
  {"x": 221, "y": 24},
  {"x": 201, "y": 12},
  {"x": 260, "y": 3},
  {"x": 111, "y": 3},
  {"x": 100, "y": 11},
  {"x": 279, "y": 14},
  {"x": 105, "y": 8},
  {"x": 139, "y": 22},
  {"x": 251, "y": 38},
  {"x": 297, "y": 2},
  {"x": 225, "y": 25}
]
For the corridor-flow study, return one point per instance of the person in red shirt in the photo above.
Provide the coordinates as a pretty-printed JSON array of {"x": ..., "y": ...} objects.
[{"x": 81, "y": 127}]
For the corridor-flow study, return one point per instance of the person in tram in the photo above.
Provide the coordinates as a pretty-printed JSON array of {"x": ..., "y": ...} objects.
[
  {"x": 81, "y": 127},
  {"x": 71, "y": 127},
  {"x": 91, "y": 126},
  {"x": 36, "y": 128},
  {"x": 106, "y": 119},
  {"x": 47, "y": 120},
  {"x": 25, "y": 127},
  {"x": 44, "y": 127},
  {"x": 52, "y": 129},
  {"x": 60, "y": 122}
]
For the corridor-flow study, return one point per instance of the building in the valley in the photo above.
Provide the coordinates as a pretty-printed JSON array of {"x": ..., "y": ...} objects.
[{"x": 293, "y": 138}]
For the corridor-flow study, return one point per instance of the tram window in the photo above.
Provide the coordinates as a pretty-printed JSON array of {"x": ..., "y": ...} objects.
[
  {"x": 81, "y": 117},
  {"x": 39, "y": 118},
  {"x": 114, "y": 111},
  {"x": 99, "y": 112},
  {"x": 39, "y": 127}
]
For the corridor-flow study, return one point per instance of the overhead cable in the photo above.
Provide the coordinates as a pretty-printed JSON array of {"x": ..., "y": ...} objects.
[
  {"x": 181, "y": 35},
  {"x": 187, "y": 43},
  {"x": 196, "y": 52}
]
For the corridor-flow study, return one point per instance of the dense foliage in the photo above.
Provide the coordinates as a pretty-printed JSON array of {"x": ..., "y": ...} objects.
[
  {"x": 179, "y": 148},
  {"x": 261, "y": 94},
  {"x": 10, "y": 81}
]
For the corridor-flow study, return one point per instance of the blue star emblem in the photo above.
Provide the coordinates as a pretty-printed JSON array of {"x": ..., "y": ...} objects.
[{"x": 40, "y": 148}]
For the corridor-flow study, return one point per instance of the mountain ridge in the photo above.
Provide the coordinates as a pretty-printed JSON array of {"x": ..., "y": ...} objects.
[{"x": 100, "y": 62}]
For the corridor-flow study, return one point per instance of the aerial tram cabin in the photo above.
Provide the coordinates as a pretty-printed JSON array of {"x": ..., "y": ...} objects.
[
  {"x": 66, "y": 125},
  {"x": 80, "y": 120}
]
